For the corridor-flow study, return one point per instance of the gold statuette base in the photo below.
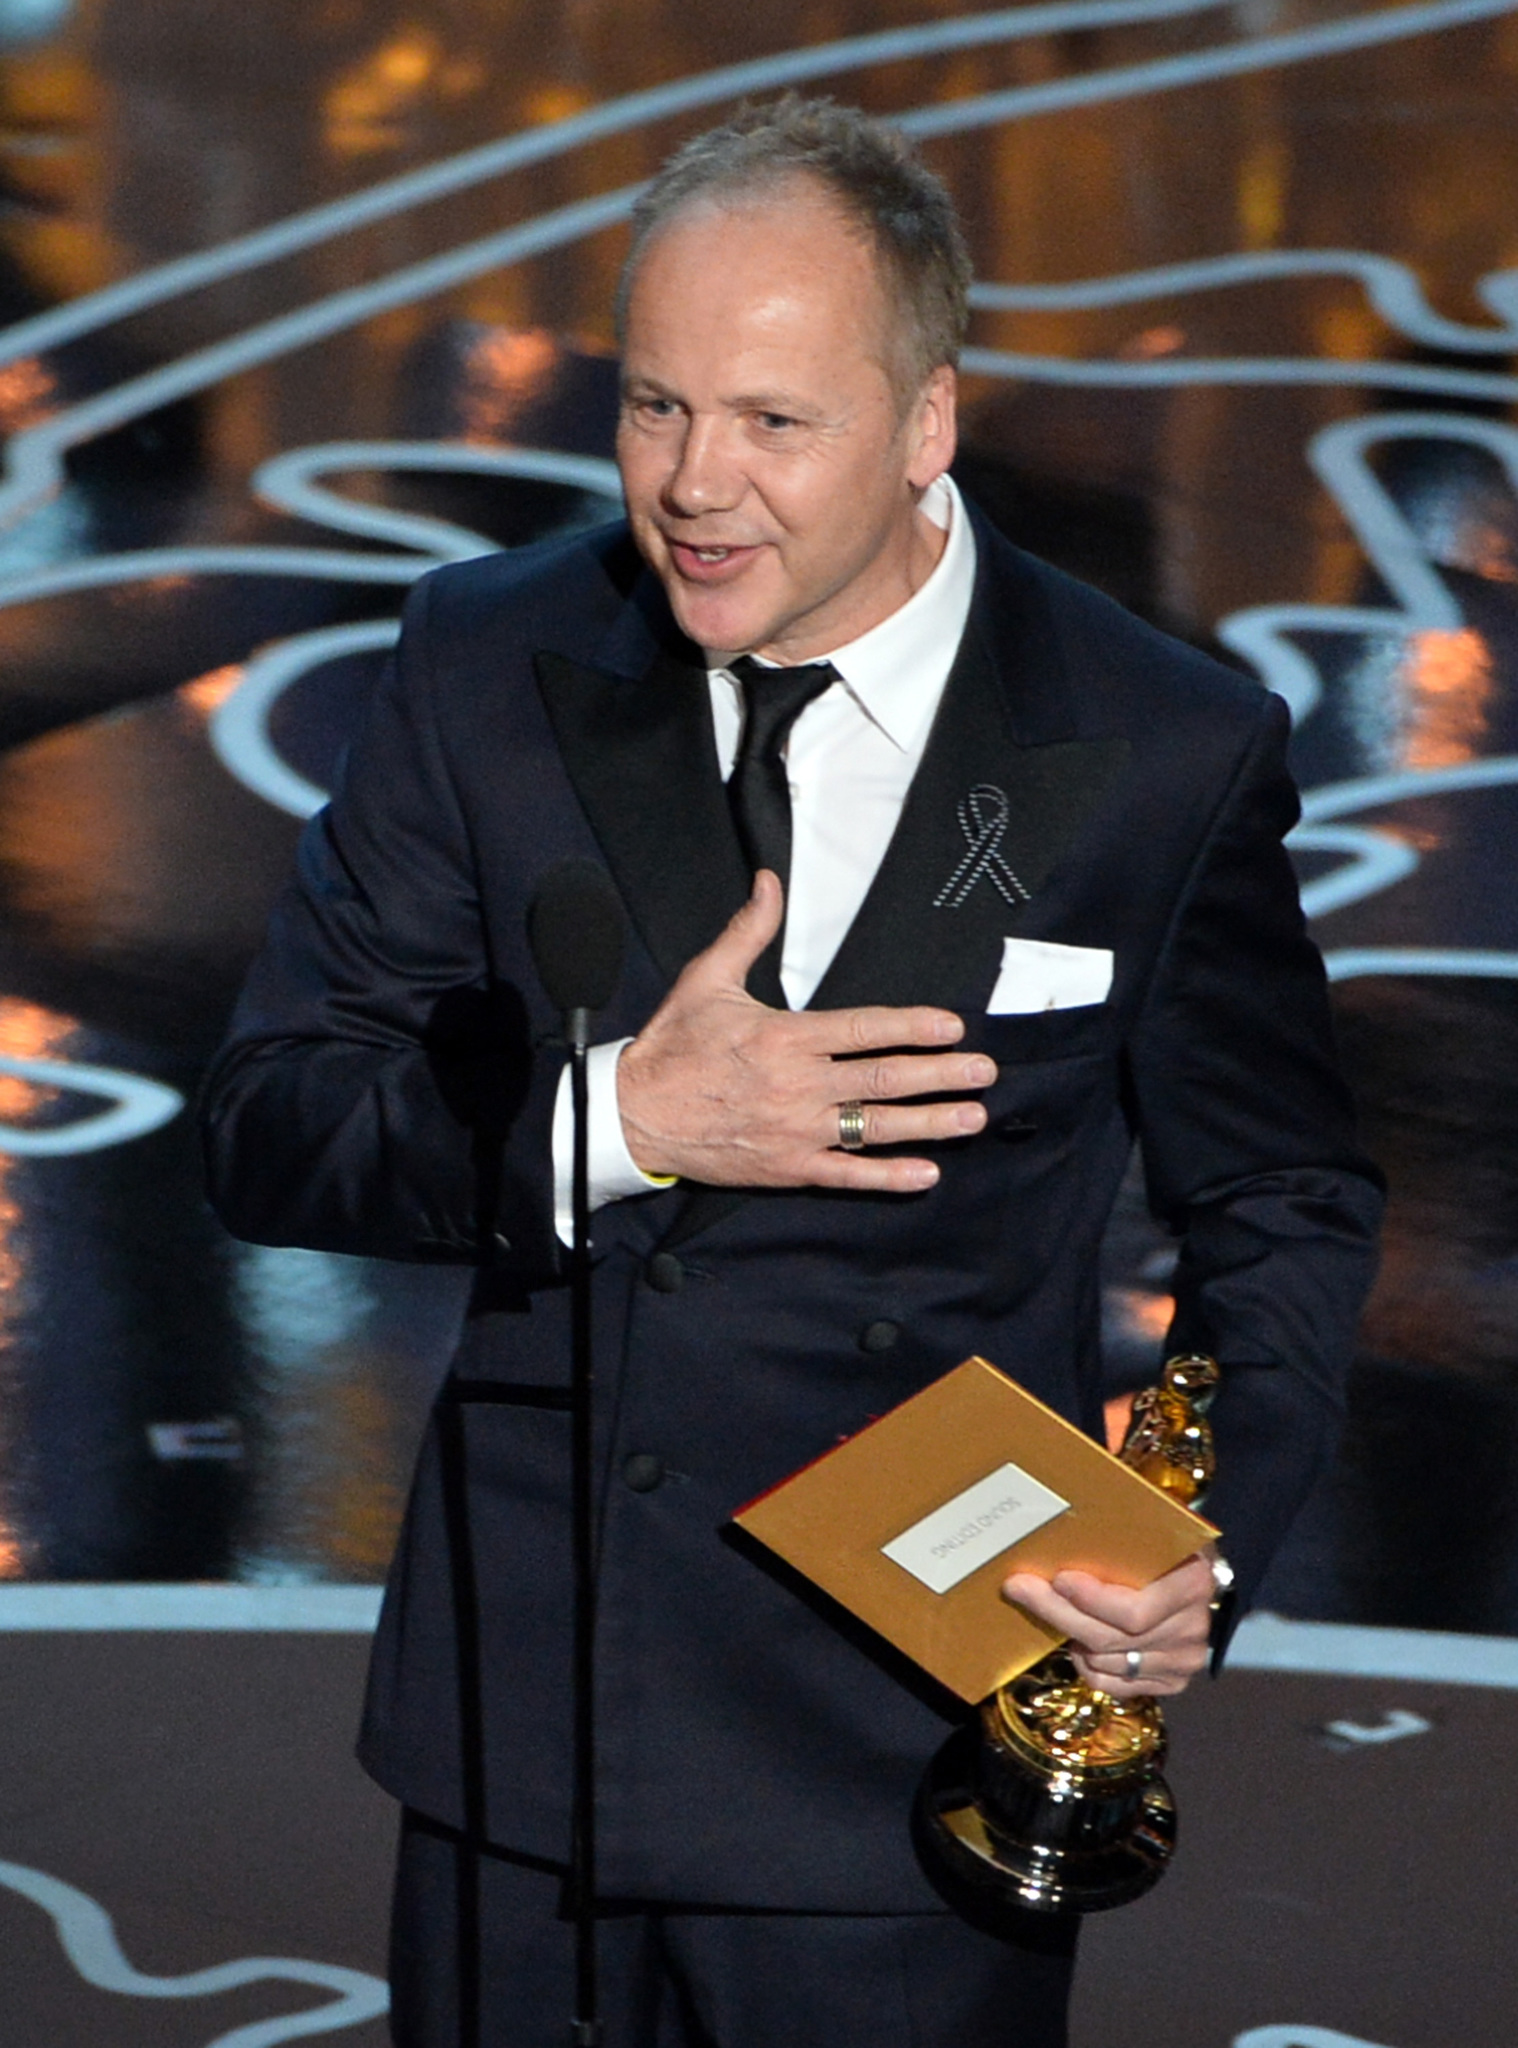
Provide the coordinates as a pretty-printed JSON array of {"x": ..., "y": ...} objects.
[{"x": 1053, "y": 1804}]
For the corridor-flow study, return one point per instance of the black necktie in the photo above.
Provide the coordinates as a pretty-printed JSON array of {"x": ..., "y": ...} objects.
[{"x": 758, "y": 789}]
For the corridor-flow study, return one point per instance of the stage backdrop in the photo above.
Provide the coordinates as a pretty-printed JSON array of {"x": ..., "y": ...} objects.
[{"x": 307, "y": 296}]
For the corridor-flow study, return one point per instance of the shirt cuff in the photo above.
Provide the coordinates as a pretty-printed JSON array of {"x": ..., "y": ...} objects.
[{"x": 614, "y": 1174}]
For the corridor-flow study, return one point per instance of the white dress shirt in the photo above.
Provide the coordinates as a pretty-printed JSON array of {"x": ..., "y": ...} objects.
[{"x": 850, "y": 759}]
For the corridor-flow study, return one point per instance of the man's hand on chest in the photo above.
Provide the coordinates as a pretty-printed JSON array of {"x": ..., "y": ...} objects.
[{"x": 718, "y": 1088}]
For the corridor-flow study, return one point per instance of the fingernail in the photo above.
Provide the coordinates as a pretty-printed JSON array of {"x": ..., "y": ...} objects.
[
  {"x": 982, "y": 1073},
  {"x": 924, "y": 1174},
  {"x": 947, "y": 1027},
  {"x": 970, "y": 1116}
]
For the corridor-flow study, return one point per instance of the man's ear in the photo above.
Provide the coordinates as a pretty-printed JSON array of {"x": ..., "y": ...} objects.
[{"x": 934, "y": 428}]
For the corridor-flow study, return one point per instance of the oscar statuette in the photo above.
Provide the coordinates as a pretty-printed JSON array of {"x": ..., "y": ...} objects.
[{"x": 1053, "y": 1800}]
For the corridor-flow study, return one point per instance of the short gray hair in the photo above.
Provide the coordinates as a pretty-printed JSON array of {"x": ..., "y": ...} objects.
[{"x": 879, "y": 183}]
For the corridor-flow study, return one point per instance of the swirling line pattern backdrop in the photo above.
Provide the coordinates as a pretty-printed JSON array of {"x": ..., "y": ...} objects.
[{"x": 303, "y": 298}]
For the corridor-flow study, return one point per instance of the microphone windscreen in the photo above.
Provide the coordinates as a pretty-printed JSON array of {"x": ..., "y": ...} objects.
[{"x": 575, "y": 927}]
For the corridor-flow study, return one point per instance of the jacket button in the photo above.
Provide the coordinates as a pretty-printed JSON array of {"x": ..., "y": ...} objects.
[
  {"x": 878, "y": 1336},
  {"x": 643, "y": 1471},
  {"x": 665, "y": 1274}
]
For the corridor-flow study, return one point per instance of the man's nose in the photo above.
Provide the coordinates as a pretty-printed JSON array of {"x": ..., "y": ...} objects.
[{"x": 707, "y": 477}]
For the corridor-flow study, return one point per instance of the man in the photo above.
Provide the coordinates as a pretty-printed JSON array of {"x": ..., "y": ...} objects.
[{"x": 995, "y": 892}]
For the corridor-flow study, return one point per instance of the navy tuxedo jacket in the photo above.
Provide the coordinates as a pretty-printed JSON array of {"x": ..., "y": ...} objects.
[{"x": 388, "y": 1088}]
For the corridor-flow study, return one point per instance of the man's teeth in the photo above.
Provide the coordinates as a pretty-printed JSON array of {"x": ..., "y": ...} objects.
[{"x": 713, "y": 554}]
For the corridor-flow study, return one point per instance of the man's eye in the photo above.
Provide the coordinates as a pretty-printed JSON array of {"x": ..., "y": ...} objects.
[{"x": 775, "y": 422}]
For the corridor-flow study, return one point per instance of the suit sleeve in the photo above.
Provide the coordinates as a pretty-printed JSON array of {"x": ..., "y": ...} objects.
[
  {"x": 1247, "y": 1134},
  {"x": 380, "y": 1090}
]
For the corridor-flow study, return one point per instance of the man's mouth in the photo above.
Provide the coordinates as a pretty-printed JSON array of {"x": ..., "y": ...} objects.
[{"x": 709, "y": 560}]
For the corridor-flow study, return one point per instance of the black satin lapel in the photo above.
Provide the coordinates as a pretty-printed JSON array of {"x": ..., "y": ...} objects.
[
  {"x": 903, "y": 947},
  {"x": 643, "y": 762}
]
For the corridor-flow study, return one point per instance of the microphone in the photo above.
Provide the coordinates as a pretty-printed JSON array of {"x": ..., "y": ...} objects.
[{"x": 576, "y": 929}]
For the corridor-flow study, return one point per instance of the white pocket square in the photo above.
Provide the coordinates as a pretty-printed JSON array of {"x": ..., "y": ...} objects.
[{"x": 1038, "y": 975}]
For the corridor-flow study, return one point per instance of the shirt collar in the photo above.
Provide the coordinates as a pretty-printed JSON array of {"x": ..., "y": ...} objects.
[{"x": 884, "y": 669}]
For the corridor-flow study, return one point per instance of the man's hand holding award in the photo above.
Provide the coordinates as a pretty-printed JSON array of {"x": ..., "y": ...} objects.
[{"x": 1053, "y": 1799}]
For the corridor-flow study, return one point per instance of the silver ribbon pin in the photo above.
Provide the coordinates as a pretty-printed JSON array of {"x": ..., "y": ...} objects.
[{"x": 983, "y": 816}]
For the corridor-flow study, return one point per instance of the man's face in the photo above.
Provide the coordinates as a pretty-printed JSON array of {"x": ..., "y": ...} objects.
[{"x": 771, "y": 477}]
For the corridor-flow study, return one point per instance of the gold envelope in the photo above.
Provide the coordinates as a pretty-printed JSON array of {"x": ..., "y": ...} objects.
[{"x": 949, "y": 1447}]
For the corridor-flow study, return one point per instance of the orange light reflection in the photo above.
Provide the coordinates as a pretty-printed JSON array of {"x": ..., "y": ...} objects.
[
  {"x": 1118, "y": 1413},
  {"x": 556, "y": 102},
  {"x": 1449, "y": 684},
  {"x": 366, "y": 107},
  {"x": 27, "y": 1032},
  {"x": 26, "y": 387},
  {"x": 1153, "y": 342},
  {"x": 1143, "y": 1315},
  {"x": 206, "y": 692},
  {"x": 505, "y": 371}
]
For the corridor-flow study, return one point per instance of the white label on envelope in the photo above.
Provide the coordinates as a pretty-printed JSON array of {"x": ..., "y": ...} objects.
[{"x": 976, "y": 1525}]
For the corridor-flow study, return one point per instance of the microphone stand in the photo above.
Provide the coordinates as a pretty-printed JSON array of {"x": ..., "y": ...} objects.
[
  {"x": 575, "y": 929},
  {"x": 585, "y": 2029}
]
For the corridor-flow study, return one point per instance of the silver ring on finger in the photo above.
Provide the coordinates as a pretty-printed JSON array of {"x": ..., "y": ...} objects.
[
  {"x": 1133, "y": 1662},
  {"x": 851, "y": 1126}
]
